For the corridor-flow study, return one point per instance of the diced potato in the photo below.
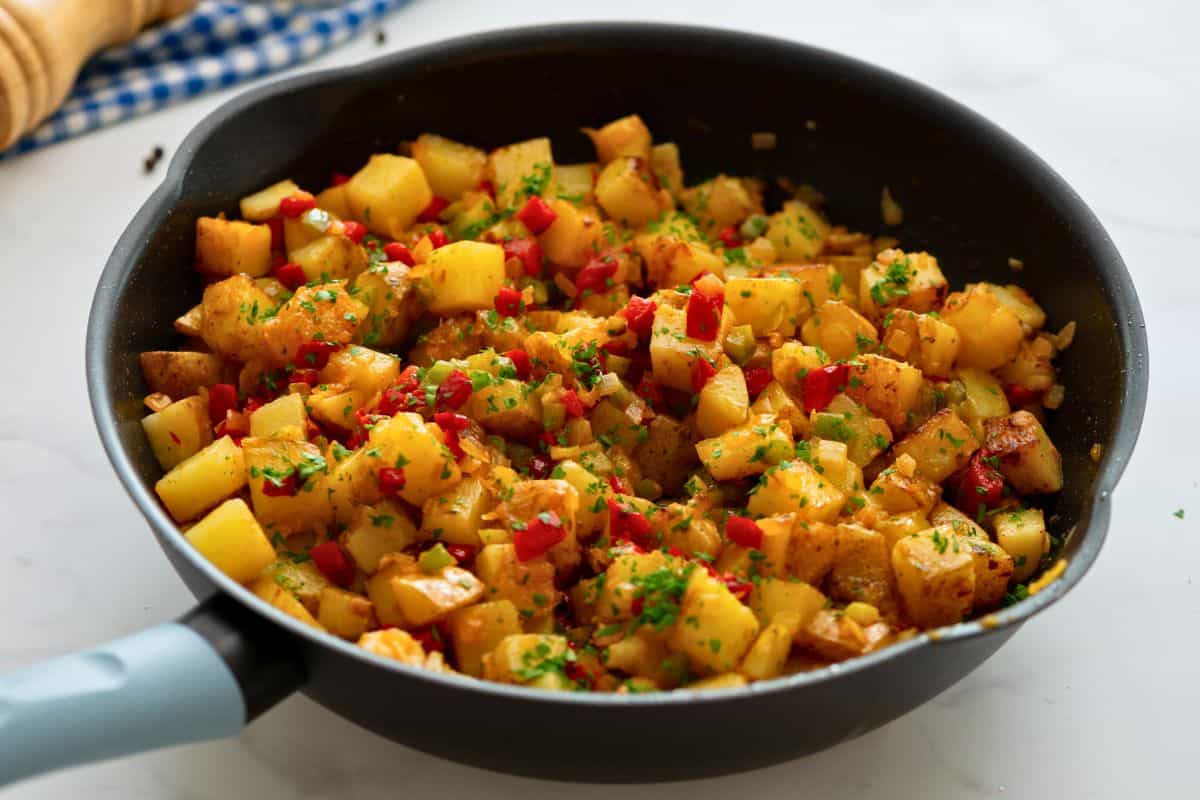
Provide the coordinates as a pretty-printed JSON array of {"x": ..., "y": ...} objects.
[
  {"x": 726, "y": 680},
  {"x": 714, "y": 629},
  {"x": 203, "y": 480},
  {"x": 768, "y": 305},
  {"x": 572, "y": 239},
  {"x": 476, "y": 630},
  {"x": 521, "y": 169},
  {"x": 989, "y": 332},
  {"x": 333, "y": 406},
  {"x": 627, "y": 191},
  {"x": 797, "y": 232},
  {"x": 812, "y": 549},
  {"x": 382, "y": 592},
  {"x": 233, "y": 312},
  {"x": 264, "y": 204},
  {"x": 424, "y": 599},
  {"x": 462, "y": 276},
  {"x": 229, "y": 247},
  {"x": 791, "y": 362},
  {"x": 672, "y": 351},
  {"x": 429, "y": 467},
  {"x": 179, "y": 431},
  {"x": 984, "y": 398},
  {"x": 306, "y": 228},
  {"x": 334, "y": 201},
  {"x": 231, "y": 538},
  {"x": 191, "y": 322},
  {"x": 345, "y": 614},
  {"x": 627, "y": 136},
  {"x": 924, "y": 341},
  {"x": 1023, "y": 536},
  {"x": 897, "y": 492},
  {"x": 309, "y": 508},
  {"x": 941, "y": 445},
  {"x": 993, "y": 569},
  {"x": 768, "y": 653},
  {"x": 819, "y": 283},
  {"x": 612, "y": 599},
  {"x": 456, "y": 516},
  {"x": 282, "y": 418},
  {"x": 1032, "y": 367},
  {"x": 508, "y": 408},
  {"x": 797, "y": 487},
  {"x": 833, "y": 636},
  {"x": 644, "y": 653},
  {"x": 325, "y": 312},
  {"x": 528, "y": 585},
  {"x": 528, "y": 499},
  {"x": 388, "y": 193},
  {"x": 377, "y": 531},
  {"x": 897, "y": 526},
  {"x": 839, "y": 330},
  {"x": 593, "y": 491},
  {"x": 664, "y": 160},
  {"x": 862, "y": 570},
  {"x": 301, "y": 578},
  {"x": 329, "y": 257},
  {"x": 889, "y": 388},
  {"x": 780, "y": 600},
  {"x": 776, "y": 401},
  {"x": 722, "y": 201},
  {"x": 844, "y": 420},
  {"x": 864, "y": 614},
  {"x": 392, "y": 304},
  {"x": 944, "y": 514},
  {"x": 528, "y": 658},
  {"x": 901, "y": 280},
  {"x": 450, "y": 167},
  {"x": 831, "y": 459},
  {"x": 1028, "y": 459},
  {"x": 665, "y": 452},
  {"x": 362, "y": 369},
  {"x": 936, "y": 580},
  {"x": 1020, "y": 302},
  {"x": 576, "y": 182},
  {"x": 274, "y": 594},
  {"x": 749, "y": 449},
  {"x": 724, "y": 402}
]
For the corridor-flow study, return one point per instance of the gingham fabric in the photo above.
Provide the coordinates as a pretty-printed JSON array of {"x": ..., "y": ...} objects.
[{"x": 216, "y": 45}]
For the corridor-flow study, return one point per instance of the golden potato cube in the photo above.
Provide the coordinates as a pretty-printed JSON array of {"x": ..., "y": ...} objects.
[
  {"x": 424, "y": 599},
  {"x": 330, "y": 258},
  {"x": 844, "y": 420},
  {"x": 1028, "y": 459},
  {"x": 862, "y": 569},
  {"x": 936, "y": 580},
  {"x": 797, "y": 487},
  {"x": 989, "y": 332},
  {"x": 1023, "y": 536},
  {"x": 749, "y": 449},
  {"x": 901, "y": 280},
  {"x": 896, "y": 492},
  {"x": 593, "y": 491},
  {"x": 775, "y": 400},
  {"x": 944, "y": 514},
  {"x": 993, "y": 568},
  {"x": 231, "y": 323},
  {"x": 727, "y": 680},
  {"x": 724, "y": 402},
  {"x": 833, "y": 636},
  {"x": 476, "y": 630},
  {"x": 456, "y": 516},
  {"x": 768, "y": 305},
  {"x": 417, "y": 447},
  {"x": 362, "y": 369},
  {"x": 1020, "y": 302},
  {"x": 382, "y": 591},
  {"x": 627, "y": 136},
  {"x": 230, "y": 537},
  {"x": 463, "y": 276},
  {"x": 529, "y": 498},
  {"x": 388, "y": 193},
  {"x": 201, "y": 481},
  {"x": 282, "y": 418},
  {"x": 525, "y": 657},
  {"x": 325, "y": 312},
  {"x": 923, "y": 340},
  {"x": 714, "y": 629},
  {"x": 832, "y": 459},
  {"x": 576, "y": 182},
  {"x": 522, "y": 169},
  {"x": 395, "y": 644},
  {"x": 301, "y": 578},
  {"x": 179, "y": 431},
  {"x": 528, "y": 585},
  {"x": 627, "y": 192},
  {"x": 896, "y": 526},
  {"x": 344, "y": 614},
  {"x": 451, "y": 168},
  {"x": 672, "y": 351},
  {"x": 776, "y": 600},
  {"x": 230, "y": 247},
  {"x": 839, "y": 330},
  {"x": 377, "y": 531},
  {"x": 264, "y": 204},
  {"x": 334, "y": 201},
  {"x": 890, "y": 389},
  {"x": 797, "y": 232},
  {"x": 722, "y": 201},
  {"x": 864, "y": 614},
  {"x": 941, "y": 445},
  {"x": 791, "y": 362},
  {"x": 574, "y": 236},
  {"x": 275, "y": 460},
  {"x": 645, "y": 654},
  {"x": 266, "y": 588},
  {"x": 664, "y": 160},
  {"x": 507, "y": 407},
  {"x": 767, "y": 655}
]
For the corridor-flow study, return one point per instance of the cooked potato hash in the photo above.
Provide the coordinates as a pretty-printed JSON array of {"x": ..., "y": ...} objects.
[{"x": 584, "y": 427}]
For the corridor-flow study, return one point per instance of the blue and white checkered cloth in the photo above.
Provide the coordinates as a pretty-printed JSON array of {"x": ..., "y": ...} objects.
[{"x": 216, "y": 45}]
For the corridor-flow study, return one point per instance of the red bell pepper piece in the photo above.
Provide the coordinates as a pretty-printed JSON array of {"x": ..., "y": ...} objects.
[
  {"x": 521, "y": 363},
  {"x": 276, "y": 226},
  {"x": 455, "y": 390},
  {"x": 980, "y": 485},
  {"x": 572, "y": 403},
  {"x": 527, "y": 249},
  {"x": 438, "y": 238},
  {"x": 309, "y": 376},
  {"x": 757, "y": 379},
  {"x": 294, "y": 205},
  {"x": 392, "y": 480},
  {"x": 462, "y": 552},
  {"x": 333, "y": 562},
  {"x": 431, "y": 638},
  {"x": 1019, "y": 395},
  {"x": 291, "y": 275},
  {"x": 540, "y": 534},
  {"x": 649, "y": 391},
  {"x": 628, "y": 526},
  {"x": 821, "y": 384},
  {"x": 508, "y": 302},
  {"x": 452, "y": 424},
  {"x": 639, "y": 315},
  {"x": 729, "y": 237},
  {"x": 395, "y": 251},
  {"x": 281, "y": 487},
  {"x": 536, "y": 215},
  {"x": 702, "y": 371},
  {"x": 738, "y": 588},
  {"x": 222, "y": 398},
  {"x": 596, "y": 274},
  {"x": 315, "y": 354},
  {"x": 436, "y": 206},
  {"x": 540, "y": 467},
  {"x": 338, "y": 178},
  {"x": 744, "y": 531},
  {"x": 704, "y": 315},
  {"x": 354, "y": 231}
]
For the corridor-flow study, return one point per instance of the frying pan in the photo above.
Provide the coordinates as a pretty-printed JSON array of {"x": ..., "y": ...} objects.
[{"x": 970, "y": 193}]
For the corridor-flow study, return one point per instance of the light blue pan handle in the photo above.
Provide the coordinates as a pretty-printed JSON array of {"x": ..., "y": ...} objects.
[{"x": 163, "y": 686}]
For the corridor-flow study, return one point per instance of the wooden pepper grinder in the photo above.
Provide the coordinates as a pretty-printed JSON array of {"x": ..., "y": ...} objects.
[{"x": 43, "y": 43}]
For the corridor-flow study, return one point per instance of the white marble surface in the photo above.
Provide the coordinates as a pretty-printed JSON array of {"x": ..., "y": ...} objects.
[{"x": 1095, "y": 698}]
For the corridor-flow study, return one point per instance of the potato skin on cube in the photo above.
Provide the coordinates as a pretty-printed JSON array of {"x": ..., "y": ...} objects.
[
  {"x": 388, "y": 193},
  {"x": 230, "y": 537},
  {"x": 1028, "y": 459}
]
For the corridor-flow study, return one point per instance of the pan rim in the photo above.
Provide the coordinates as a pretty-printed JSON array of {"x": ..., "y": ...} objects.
[{"x": 1121, "y": 295}]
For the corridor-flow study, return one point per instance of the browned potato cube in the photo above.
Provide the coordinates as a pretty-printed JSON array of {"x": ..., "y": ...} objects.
[
  {"x": 936, "y": 578},
  {"x": 628, "y": 192},
  {"x": 889, "y": 388},
  {"x": 180, "y": 374},
  {"x": 1028, "y": 459},
  {"x": 839, "y": 330},
  {"x": 941, "y": 446},
  {"x": 989, "y": 332},
  {"x": 228, "y": 247},
  {"x": 862, "y": 569},
  {"x": 901, "y": 280},
  {"x": 812, "y": 550},
  {"x": 833, "y": 636},
  {"x": 923, "y": 340},
  {"x": 627, "y": 136}
]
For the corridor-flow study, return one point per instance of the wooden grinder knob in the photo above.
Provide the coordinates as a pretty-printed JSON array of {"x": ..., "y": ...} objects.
[{"x": 43, "y": 44}]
